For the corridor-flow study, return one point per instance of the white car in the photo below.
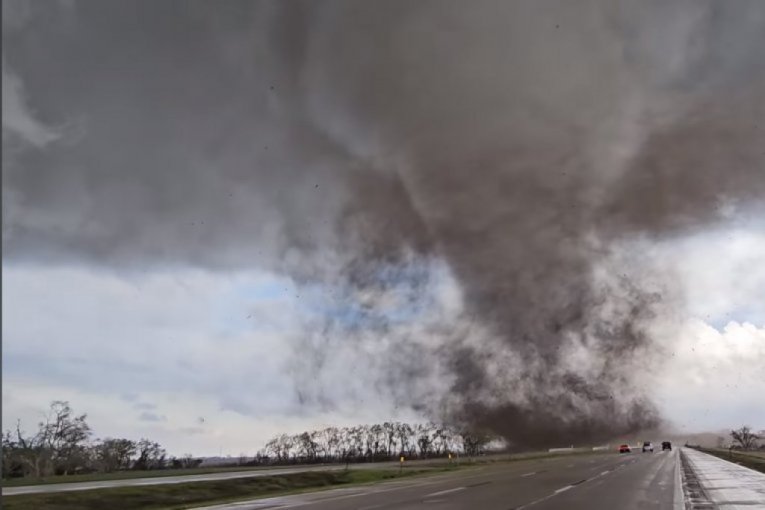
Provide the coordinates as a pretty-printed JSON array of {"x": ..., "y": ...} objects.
[{"x": 647, "y": 447}]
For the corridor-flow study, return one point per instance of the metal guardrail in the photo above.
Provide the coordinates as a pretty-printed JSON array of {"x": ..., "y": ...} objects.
[{"x": 580, "y": 449}]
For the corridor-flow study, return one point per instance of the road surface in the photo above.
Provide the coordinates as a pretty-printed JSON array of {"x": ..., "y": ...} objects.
[{"x": 587, "y": 482}]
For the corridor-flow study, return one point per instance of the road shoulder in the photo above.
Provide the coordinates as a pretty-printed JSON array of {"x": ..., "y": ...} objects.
[{"x": 711, "y": 482}]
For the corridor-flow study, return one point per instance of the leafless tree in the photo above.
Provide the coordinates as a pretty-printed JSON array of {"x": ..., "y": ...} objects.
[
  {"x": 114, "y": 454},
  {"x": 745, "y": 437},
  {"x": 150, "y": 455}
]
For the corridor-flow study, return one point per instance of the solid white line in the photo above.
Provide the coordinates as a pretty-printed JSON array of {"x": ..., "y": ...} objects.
[
  {"x": 529, "y": 474},
  {"x": 564, "y": 489},
  {"x": 448, "y": 491},
  {"x": 679, "y": 499}
]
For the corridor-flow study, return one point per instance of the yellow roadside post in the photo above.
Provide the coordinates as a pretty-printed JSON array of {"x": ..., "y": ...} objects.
[{"x": 401, "y": 464}]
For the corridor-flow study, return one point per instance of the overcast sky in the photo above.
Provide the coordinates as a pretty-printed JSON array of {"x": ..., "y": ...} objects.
[{"x": 189, "y": 210}]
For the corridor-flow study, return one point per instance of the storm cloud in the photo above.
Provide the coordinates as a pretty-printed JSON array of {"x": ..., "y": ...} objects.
[{"x": 522, "y": 149}]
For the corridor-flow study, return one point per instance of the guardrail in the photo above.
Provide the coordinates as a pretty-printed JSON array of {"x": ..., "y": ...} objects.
[{"x": 571, "y": 449}]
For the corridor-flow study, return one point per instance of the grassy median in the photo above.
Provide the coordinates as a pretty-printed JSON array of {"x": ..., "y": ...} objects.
[
  {"x": 751, "y": 459},
  {"x": 186, "y": 495},
  {"x": 126, "y": 475}
]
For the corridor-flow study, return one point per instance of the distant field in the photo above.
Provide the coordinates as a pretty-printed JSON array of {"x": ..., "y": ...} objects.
[
  {"x": 186, "y": 495},
  {"x": 751, "y": 459}
]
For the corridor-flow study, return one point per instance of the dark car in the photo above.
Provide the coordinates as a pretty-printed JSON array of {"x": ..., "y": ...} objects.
[{"x": 666, "y": 445}]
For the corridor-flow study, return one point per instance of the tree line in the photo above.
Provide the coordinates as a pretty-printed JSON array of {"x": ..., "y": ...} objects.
[
  {"x": 377, "y": 442},
  {"x": 62, "y": 445}
]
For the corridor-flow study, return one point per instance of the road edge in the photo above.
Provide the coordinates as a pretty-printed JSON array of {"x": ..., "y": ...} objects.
[
  {"x": 694, "y": 495},
  {"x": 679, "y": 498}
]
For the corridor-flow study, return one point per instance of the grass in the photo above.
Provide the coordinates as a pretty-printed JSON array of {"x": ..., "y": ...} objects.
[
  {"x": 126, "y": 475},
  {"x": 186, "y": 495},
  {"x": 751, "y": 459}
]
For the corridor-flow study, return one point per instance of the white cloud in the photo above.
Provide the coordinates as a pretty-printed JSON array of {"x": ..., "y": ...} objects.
[
  {"x": 19, "y": 119},
  {"x": 193, "y": 422},
  {"x": 722, "y": 273},
  {"x": 710, "y": 335},
  {"x": 714, "y": 378},
  {"x": 151, "y": 354}
]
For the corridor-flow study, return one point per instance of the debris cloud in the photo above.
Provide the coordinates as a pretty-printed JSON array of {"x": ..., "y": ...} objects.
[{"x": 514, "y": 148}]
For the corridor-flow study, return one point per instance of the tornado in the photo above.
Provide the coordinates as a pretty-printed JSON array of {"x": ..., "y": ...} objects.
[{"x": 525, "y": 151}]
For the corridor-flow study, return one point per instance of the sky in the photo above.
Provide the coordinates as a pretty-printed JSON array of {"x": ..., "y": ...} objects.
[{"x": 220, "y": 224}]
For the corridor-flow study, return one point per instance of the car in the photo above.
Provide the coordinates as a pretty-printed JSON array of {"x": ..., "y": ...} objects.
[
  {"x": 647, "y": 447},
  {"x": 666, "y": 445},
  {"x": 625, "y": 448}
]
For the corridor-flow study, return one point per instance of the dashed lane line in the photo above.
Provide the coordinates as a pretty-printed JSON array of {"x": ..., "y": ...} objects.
[{"x": 441, "y": 493}]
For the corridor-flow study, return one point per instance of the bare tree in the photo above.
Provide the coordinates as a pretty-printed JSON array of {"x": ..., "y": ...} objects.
[
  {"x": 114, "y": 454},
  {"x": 64, "y": 435},
  {"x": 59, "y": 444},
  {"x": 745, "y": 437},
  {"x": 424, "y": 440},
  {"x": 473, "y": 442},
  {"x": 307, "y": 447},
  {"x": 150, "y": 455}
]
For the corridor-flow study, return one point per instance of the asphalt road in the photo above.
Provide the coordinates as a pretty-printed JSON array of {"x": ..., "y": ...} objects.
[
  {"x": 161, "y": 480},
  {"x": 592, "y": 482}
]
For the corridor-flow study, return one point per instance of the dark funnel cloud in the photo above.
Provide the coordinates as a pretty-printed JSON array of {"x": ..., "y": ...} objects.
[{"x": 369, "y": 145}]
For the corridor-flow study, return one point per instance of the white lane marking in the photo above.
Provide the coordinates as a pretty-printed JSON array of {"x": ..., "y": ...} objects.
[
  {"x": 394, "y": 486},
  {"x": 441, "y": 493},
  {"x": 545, "y": 498},
  {"x": 529, "y": 474},
  {"x": 605, "y": 472}
]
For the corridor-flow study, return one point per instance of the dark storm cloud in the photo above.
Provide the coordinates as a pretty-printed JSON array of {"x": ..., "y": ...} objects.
[{"x": 517, "y": 141}]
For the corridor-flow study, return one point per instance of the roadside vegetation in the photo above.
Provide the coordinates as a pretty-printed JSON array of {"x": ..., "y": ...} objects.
[
  {"x": 62, "y": 446},
  {"x": 751, "y": 459},
  {"x": 186, "y": 495}
]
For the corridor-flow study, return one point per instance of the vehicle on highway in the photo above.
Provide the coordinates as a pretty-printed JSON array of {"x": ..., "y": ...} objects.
[
  {"x": 625, "y": 448},
  {"x": 666, "y": 445},
  {"x": 647, "y": 447}
]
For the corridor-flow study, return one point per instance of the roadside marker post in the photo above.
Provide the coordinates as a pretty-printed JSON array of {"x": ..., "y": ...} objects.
[{"x": 401, "y": 464}]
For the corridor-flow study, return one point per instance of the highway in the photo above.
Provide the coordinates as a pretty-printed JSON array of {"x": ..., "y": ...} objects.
[{"x": 591, "y": 482}]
